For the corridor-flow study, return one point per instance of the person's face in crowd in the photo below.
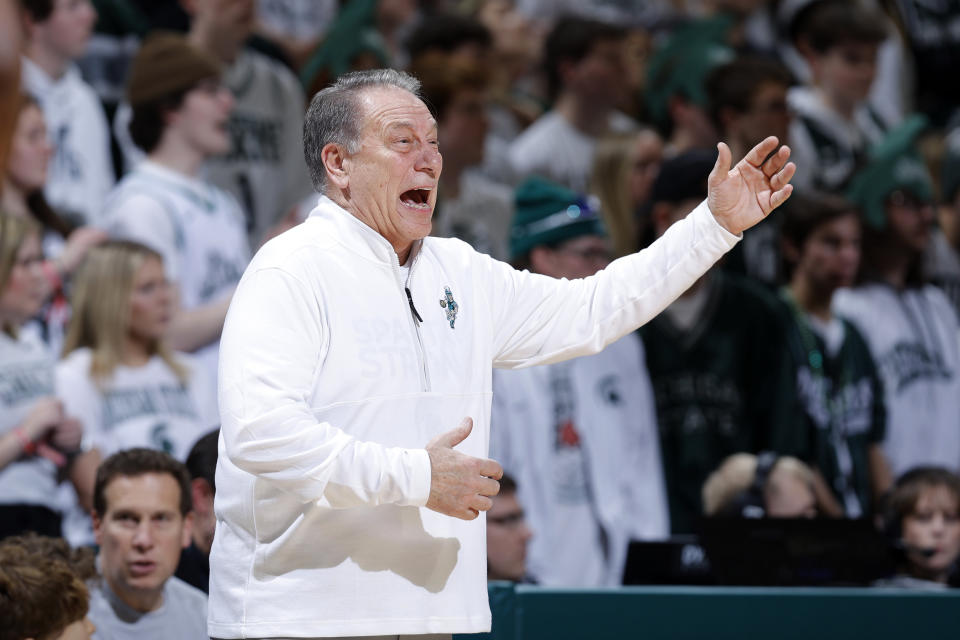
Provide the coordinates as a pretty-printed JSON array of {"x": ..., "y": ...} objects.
[
  {"x": 789, "y": 496},
  {"x": 230, "y": 20},
  {"x": 846, "y": 71},
  {"x": 392, "y": 178},
  {"x": 464, "y": 127},
  {"x": 150, "y": 302},
  {"x": 141, "y": 536},
  {"x": 26, "y": 289},
  {"x": 30, "y": 151},
  {"x": 78, "y": 630},
  {"x": 67, "y": 30},
  {"x": 647, "y": 155},
  {"x": 767, "y": 116},
  {"x": 934, "y": 524},
  {"x": 600, "y": 75},
  {"x": 517, "y": 42},
  {"x": 576, "y": 258},
  {"x": 831, "y": 254},
  {"x": 507, "y": 537},
  {"x": 909, "y": 220},
  {"x": 203, "y": 117}
]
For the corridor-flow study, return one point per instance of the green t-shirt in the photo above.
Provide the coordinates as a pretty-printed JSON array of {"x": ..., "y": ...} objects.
[
  {"x": 839, "y": 405},
  {"x": 717, "y": 386}
]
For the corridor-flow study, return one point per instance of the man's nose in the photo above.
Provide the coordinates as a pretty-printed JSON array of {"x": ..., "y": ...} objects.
[
  {"x": 430, "y": 161},
  {"x": 143, "y": 537}
]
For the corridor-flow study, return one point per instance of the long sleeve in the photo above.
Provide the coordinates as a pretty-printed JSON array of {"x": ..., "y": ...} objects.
[{"x": 539, "y": 320}]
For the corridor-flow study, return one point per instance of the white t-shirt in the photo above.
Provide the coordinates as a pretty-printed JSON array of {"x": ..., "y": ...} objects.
[
  {"x": 553, "y": 148},
  {"x": 143, "y": 406},
  {"x": 264, "y": 170},
  {"x": 916, "y": 351},
  {"x": 26, "y": 375},
  {"x": 196, "y": 227},
  {"x": 580, "y": 438},
  {"x": 80, "y": 174}
]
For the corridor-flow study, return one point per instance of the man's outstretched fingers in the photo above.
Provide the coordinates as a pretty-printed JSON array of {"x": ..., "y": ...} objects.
[
  {"x": 776, "y": 162},
  {"x": 780, "y": 196},
  {"x": 489, "y": 487},
  {"x": 782, "y": 177},
  {"x": 759, "y": 153}
]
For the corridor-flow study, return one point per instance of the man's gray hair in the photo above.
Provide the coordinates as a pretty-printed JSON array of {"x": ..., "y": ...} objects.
[{"x": 335, "y": 116}]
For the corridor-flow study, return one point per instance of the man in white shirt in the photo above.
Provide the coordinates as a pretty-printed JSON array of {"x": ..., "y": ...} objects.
[
  {"x": 355, "y": 341},
  {"x": 81, "y": 173}
]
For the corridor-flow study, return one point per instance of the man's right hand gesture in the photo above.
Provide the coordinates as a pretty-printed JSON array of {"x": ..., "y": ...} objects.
[{"x": 460, "y": 485}]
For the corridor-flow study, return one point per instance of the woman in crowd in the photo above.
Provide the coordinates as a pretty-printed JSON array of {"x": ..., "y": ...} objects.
[
  {"x": 624, "y": 168},
  {"x": 25, "y": 175},
  {"x": 118, "y": 376},
  {"x": 38, "y": 441}
]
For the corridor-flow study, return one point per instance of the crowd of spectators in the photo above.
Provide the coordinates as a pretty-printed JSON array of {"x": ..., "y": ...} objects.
[{"x": 151, "y": 147}]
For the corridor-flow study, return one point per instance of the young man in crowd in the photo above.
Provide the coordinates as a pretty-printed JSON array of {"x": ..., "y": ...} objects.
[
  {"x": 840, "y": 407},
  {"x": 713, "y": 356},
  {"x": 142, "y": 520},
  {"x": 580, "y": 436},
  {"x": 585, "y": 62},
  {"x": 915, "y": 346},
  {"x": 180, "y": 115},
  {"x": 834, "y": 125},
  {"x": 81, "y": 173},
  {"x": 747, "y": 101},
  {"x": 194, "y": 567}
]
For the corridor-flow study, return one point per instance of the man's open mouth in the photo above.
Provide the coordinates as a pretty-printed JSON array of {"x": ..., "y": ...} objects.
[{"x": 416, "y": 198}]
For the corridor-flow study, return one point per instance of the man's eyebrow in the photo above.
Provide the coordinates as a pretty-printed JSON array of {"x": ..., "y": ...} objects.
[{"x": 405, "y": 124}]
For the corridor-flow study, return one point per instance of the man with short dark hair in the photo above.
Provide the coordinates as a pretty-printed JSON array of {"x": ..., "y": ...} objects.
[
  {"x": 141, "y": 521},
  {"x": 585, "y": 63},
  {"x": 353, "y": 344}
]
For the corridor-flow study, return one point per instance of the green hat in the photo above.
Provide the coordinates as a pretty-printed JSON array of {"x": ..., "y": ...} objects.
[
  {"x": 682, "y": 63},
  {"x": 894, "y": 164},
  {"x": 546, "y": 213},
  {"x": 950, "y": 176}
]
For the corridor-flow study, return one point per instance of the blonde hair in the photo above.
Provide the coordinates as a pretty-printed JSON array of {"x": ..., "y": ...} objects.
[
  {"x": 14, "y": 231},
  {"x": 609, "y": 180},
  {"x": 736, "y": 475},
  {"x": 101, "y": 307}
]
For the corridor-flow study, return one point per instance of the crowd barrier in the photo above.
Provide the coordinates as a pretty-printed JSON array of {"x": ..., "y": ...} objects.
[{"x": 523, "y": 612}]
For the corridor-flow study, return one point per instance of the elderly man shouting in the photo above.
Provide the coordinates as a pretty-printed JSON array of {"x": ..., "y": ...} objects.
[{"x": 358, "y": 352}]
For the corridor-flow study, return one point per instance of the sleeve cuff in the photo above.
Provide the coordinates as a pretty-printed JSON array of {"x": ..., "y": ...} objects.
[
  {"x": 418, "y": 461},
  {"x": 702, "y": 212}
]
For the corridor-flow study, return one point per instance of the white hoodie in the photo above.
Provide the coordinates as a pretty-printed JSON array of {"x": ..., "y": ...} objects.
[{"x": 330, "y": 388}]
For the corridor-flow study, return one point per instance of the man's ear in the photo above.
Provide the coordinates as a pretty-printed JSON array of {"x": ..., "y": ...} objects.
[
  {"x": 790, "y": 251},
  {"x": 187, "y": 535},
  {"x": 661, "y": 218},
  {"x": 336, "y": 161},
  {"x": 97, "y": 527}
]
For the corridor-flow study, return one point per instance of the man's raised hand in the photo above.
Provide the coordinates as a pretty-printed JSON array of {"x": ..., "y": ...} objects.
[
  {"x": 460, "y": 485},
  {"x": 744, "y": 195}
]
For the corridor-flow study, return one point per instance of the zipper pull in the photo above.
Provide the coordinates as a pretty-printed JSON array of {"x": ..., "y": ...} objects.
[{"x": 413, "y": 308}]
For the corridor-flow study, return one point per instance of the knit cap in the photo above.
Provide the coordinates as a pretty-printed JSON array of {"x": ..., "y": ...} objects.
[
  {"x": 894, "y": 165},
  {"x": 165, "y": 65},
  {"x": 546, "y": 213}
]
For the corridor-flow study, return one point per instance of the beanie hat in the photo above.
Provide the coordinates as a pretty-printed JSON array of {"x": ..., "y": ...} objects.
[
  {"x": 165, "y": 65},
  {"x": 683, "y": 177},
  {"x": 546, "y": 213},
  {"x": 894, "y": 164}
]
